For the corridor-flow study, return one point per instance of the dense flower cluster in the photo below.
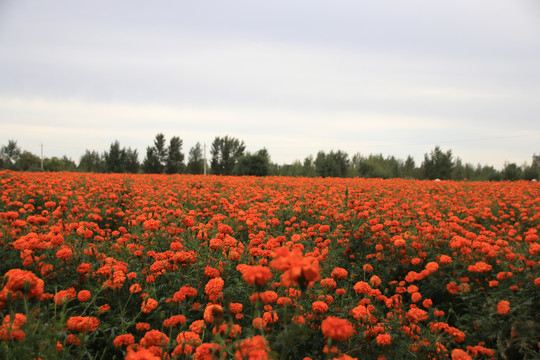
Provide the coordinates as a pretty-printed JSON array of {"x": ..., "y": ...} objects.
[{"x": 211, "y": 267}]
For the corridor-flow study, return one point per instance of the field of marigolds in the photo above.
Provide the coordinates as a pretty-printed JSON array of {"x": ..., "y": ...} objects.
[{"x": 98, "y": 266}]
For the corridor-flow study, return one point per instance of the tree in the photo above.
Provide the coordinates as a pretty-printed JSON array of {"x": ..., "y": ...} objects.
[
  {"x": 91, "y": 161},
  {"x": 175, "y": 157},
  {"x": 195, "y": 163},
  {"x": 408, "y": 167},
  {"x": 326, "y": 165},
  {"x": 253, "y": 164},
  {"x": 438, "y": 165},
  {"x": 114, "y": 158},
  {"x": 308, "y": 167},
  {"x": 225, "y": 154},
  {"x": 161, "y": 149},
  {"x": 59, "y": 164},
  {"x": 511, "y": 172},
  {"x": 28, "y": 162},
  {"x": 151, "y": 164},
  {"x": 131, "y": 160},
  {"x": 9, "y": 154}
]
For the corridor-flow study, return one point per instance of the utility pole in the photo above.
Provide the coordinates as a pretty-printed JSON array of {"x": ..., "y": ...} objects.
[
  {"x": 41, "y": 156},
  {"x": 204, "y": 158}
]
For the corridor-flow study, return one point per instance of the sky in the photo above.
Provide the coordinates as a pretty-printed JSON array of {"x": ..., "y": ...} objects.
[{"x": 295, "y": 77}]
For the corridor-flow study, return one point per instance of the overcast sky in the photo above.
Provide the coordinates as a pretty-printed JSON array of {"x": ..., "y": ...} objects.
[{"x": 392, "y": 77}]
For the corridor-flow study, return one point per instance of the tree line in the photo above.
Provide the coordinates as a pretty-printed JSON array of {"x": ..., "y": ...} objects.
[{"x": 228, "y": 156}]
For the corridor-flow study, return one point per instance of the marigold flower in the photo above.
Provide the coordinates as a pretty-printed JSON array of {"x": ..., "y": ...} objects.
[
  {"x": 16, "y": 285},
  {"x": 123, "y": 340},
  {"x": 362, "y": 287},
  {"x": 140, "y": 353},
  {"x": 257, "y": 275},
  {"x": 319, "y": 307},
  {"x": 214, "y": 287},
  {"x": 339, "y": 273},
  {"x": 458, "y": 354},
  {"x": 84, "y": 295},
  {"x": 149, "y": 305},
  {"x": 10, "y": 329},
  {"x": 154, "y": 338},
  {"x": 213, "y": 313},
  {"x": 503, "y": 307},
  {"x": 375, "y": 281},
  {"x": 298, "y": 269},
  {"x": 82, "y": 323},
  {"x": 360, "y": 312},
  {"x": 336, "y": 329},
  {"x": 64, "y": 296},
  {"x": 236, "y": 308},
  {"x": 254, "y": 348},
  {"x": 383, "y": 339},
  {"x": 209, "y": 351},
  {"x": 174, "y": 320}
]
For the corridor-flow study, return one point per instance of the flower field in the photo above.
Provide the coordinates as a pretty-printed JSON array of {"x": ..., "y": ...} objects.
[{"x": 99, "y": 266}]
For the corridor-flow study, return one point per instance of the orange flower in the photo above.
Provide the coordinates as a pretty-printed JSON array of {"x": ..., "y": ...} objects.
[
  {"x": 339, "y": 273},
  {"x": 236, "y": 308},
  {"x": 298, "y": 269},
  {"x": 140, "y": 353},
  {"x": 256, "y": 275},
  {"x": 9, "y": 330},
  {"x": 336, "y": 329},
  {"x": 214, "y": 287},
  {"x": 213, "y": 313},
  {"x": 149, "y": 305},
  {"x": 254, "y": 348},
  {"x": 503, "y": 307},
  {"x": 458, "y": 354},
  {"x": 319, "y": 307},
  {"x": 84, "y": 295},
  {"x": 383, "y": 339},
  {"x": 16, "y": 282},
  {"x": 154, "y": 338},
  {"x": 362, "y": 287},
  {"x": 123, "y": 340},
  {"x": 174, "y": 320},
  {"x": 82, "y": 323},
  {"x": 209, "y": 351}
]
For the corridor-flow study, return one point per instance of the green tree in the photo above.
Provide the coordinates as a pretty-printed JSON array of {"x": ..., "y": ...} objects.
[
  {"x": 308, "y": 167},
  {"x": 253, "y": 164},
  {"x": 175, "y": 157},
  {"x": 161, "y": 150},
  {"x": 511, "y": 172},
  {"x": 438, "y": 165},
  {"x": 533, "y": 171},
  {"x": 114, "y": 158},
  {"x": 9, "y": 154},
  {"x": 151, "y": 164},
  {"x": 156, "y": 156},
  {"x": 408, "y": 168},
  {"x": 225, "y": 151},
  {"x": 91, "y": 161},
  {"x": 28, "y": 162},
  {"x": 195, "y": 163},
  {"x": 131, "y": 160},
  {"x": 59, "y": 164}
]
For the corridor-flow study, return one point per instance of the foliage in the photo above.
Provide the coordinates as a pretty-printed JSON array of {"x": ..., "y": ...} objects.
[
  {"x": 225, "y": 152},
  {"x": 91, "y": 161},
  {"x": 438, "y": 164},
  {"x": 175, "y": 158},
  {"x": 256, "y": 164},
  {"x": 196, "y": 160}
]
